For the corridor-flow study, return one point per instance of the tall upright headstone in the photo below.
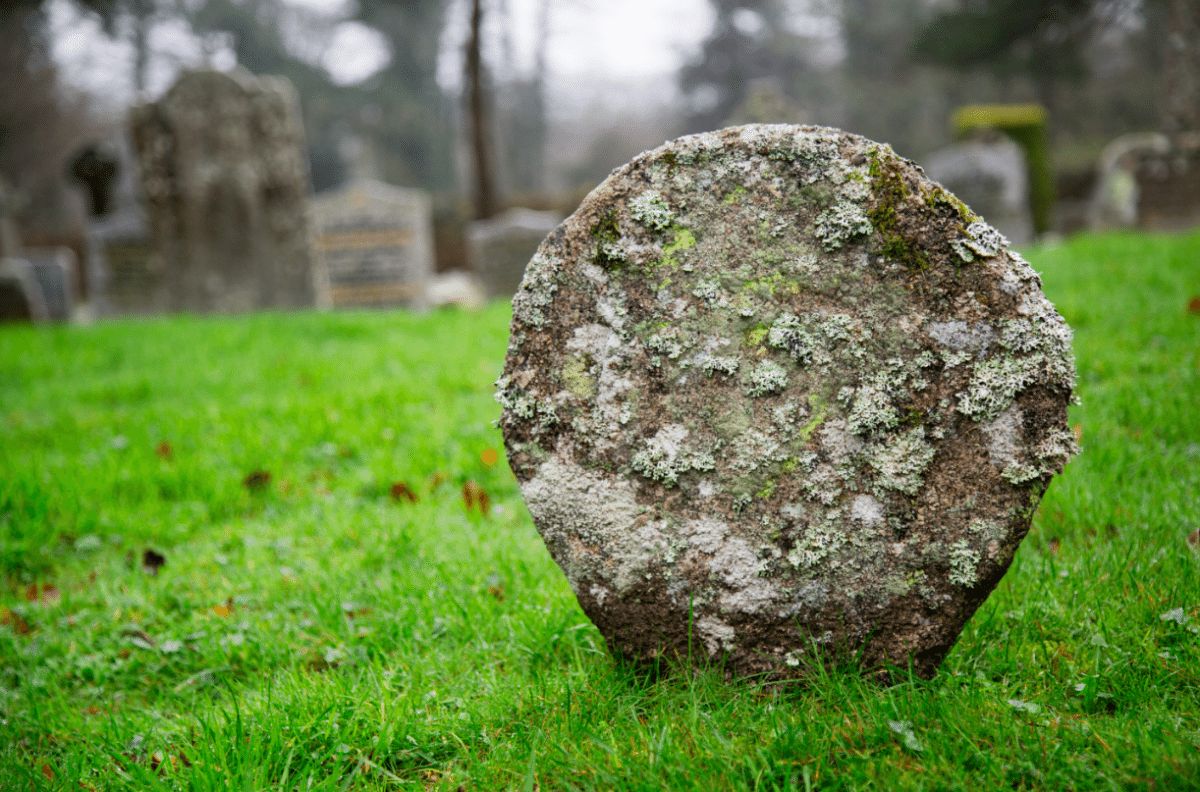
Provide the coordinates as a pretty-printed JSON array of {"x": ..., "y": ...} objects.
[
  {"x": 989, "y": 176},
  {"x": 225, "y": 177},
  {"x": 376, "y": 241},
  {"x": 775, "y": 399}
]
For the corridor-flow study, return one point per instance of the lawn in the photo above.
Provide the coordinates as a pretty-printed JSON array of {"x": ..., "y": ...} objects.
[{"x": 280, "y": 552}]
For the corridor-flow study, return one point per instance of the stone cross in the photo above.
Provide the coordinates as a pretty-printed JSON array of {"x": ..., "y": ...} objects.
[{"x": 775, "y": 399}]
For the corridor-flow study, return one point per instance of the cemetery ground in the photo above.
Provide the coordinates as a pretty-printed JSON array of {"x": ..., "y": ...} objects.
[{"x": 281, "y": 552}]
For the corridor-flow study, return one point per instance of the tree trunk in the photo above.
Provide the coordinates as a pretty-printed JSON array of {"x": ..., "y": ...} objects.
[{"x": 486, "y": 203}]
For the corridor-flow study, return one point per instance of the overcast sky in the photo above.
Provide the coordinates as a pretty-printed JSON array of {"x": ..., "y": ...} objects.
[{"x": 591, "y": 42}]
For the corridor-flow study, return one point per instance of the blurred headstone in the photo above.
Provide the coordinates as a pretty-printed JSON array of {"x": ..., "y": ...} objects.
[
  {"x": 20, "y": 295},
  {"x": 499, "y": 248},
  {"x": 1146, "y": 182},
  {"x": 377, "y": 244},
  {"x": 54, "y": 269},
  {"x": 97, "y": 168},
  {"x": 225, "y": 176},
  {"x": 767, "y": 103},
  {"x": 990, "y": 176}
]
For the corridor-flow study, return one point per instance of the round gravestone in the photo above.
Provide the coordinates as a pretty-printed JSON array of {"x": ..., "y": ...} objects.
[{"x": 776, "y": 399}]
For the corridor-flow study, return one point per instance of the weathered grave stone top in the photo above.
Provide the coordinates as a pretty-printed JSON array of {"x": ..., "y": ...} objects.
[
  {"x": 377, "y": 243},
  {"x": 990, "y": 177},
  {"x": 772, "y": 388}
]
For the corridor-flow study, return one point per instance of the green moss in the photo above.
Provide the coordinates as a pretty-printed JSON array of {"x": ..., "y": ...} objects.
[
  {"x": 820, "y": 409},
  {"x": 606, "y": 233},
  {"x": 575, "y": 377},
  {"x": 770, "y": 284},
  {"x": 891, "y": 193},
  {"x": 754, "y": 337},
  {"x": 736, "y": 193}
]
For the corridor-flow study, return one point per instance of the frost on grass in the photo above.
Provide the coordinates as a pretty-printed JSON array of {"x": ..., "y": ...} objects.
[{"x": 815, "y": 389}]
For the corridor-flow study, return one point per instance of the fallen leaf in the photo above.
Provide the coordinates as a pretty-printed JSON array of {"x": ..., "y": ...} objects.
[
  {"x": 1194, "y": 305},
  {"x": 151, "y": 561},
  {"x": 19, "y": 625},
  {"x": 1194, "y": 539},
  {"x": 400, "y": 490},
  {"x": 46, "y": 594},
  {"x": 474, "y": 496},
  {"x": 222, "y": 610},
  {"x": 163, "y": 450},
  {"x": 489, "y": 456},
  {"x": 47, "y": 771},
  {"x": 256, "y": 480}
]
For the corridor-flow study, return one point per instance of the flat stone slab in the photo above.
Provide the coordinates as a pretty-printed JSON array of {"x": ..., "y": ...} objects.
[{"x": 774, "y": 396}]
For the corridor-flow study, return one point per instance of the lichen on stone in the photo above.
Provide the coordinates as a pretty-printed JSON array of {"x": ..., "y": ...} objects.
[
  {"x": 767, "y": 377},
  {"x": 652, "y": 211},
  {"x": 844, "y": 222}
]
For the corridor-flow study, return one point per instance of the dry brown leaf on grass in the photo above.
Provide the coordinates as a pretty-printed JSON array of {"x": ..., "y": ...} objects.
[
  {"x": 474, "y": 496},
  {"x": 401, "y": 490}
]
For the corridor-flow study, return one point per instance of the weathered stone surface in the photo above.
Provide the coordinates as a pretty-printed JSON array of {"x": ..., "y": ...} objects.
[
  {"x": 772, "y": 389},
  {"x": 225, "y": 176}
]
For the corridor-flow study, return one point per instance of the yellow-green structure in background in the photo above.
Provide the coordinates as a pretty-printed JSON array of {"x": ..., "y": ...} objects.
[{"x": 1026, "y": 124}]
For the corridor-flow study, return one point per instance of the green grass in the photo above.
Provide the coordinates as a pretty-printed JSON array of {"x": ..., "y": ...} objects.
[{"x": 316, "y": 633}]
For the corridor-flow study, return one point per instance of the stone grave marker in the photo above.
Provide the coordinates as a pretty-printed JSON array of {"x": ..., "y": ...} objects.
[
  {"x": 20, "y": 294},
  {"x": 54, "y": 269},
  {"x": 377, "y": 244},
  {"x": 1146, "y": 180},
  {"x": 225, "y": 177},
  {"x": 991, "y": 178},
  {"x": 773, "y": 395},
  {"x": 499, "y": 248}
]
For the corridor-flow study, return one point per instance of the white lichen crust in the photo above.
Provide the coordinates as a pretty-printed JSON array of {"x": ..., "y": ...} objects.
[{"x": 772, "y": 386}]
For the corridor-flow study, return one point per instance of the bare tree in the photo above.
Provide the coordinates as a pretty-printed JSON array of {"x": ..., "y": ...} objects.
[{"x": 486, "y": 199}]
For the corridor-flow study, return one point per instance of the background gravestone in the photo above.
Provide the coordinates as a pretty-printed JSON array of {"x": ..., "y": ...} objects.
[
  {"x": 377, "y": 243},
  {"x": 499, "y": 248},
  {"x": 54, "y": 269},
  {"x": 990, "y": 176},
  {"x": 1146, "y": 181},
  {"x": 774, "y": 397},
  {"x": 20, "y": 295},
  {"x": 225, "y": 176}
]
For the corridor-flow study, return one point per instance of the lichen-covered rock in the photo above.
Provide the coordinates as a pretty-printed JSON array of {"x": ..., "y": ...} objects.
[{"x": 774, "y": 395}]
